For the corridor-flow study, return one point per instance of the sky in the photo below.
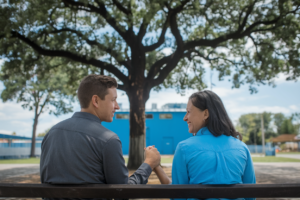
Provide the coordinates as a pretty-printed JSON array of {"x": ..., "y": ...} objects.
[{"x": 285, "y": 98}]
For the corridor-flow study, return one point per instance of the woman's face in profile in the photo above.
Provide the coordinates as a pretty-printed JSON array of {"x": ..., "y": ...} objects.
[{"x": 194, "y": 117}]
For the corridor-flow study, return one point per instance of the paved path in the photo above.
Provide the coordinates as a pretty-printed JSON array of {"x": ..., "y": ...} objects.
[
  {"x": 295, "y": 156},
  {"x": 15, "y": 170}
]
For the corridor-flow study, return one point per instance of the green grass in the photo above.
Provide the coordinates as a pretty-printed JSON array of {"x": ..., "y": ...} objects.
[
  {"x": 21, "y": 161},
  {"x": 163, "y": 160},
  {"x": 274, "y": 159},
  {"x": 37, "y": 161}
]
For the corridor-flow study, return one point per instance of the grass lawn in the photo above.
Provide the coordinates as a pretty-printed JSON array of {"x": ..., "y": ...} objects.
[
  {"x": 21, "y": 161},
  {"x": 274, "y": 159},
  {"x": 167, "y": 159}
]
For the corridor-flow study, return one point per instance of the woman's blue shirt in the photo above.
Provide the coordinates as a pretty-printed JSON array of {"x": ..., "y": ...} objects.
[{"x": 206, "y": 159}]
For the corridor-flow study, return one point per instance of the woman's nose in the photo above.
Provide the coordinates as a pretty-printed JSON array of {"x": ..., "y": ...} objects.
[{"x": 185, "y": 118}]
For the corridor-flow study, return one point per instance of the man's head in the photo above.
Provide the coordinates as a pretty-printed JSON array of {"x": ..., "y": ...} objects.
[{"x": 97, "y": 94}]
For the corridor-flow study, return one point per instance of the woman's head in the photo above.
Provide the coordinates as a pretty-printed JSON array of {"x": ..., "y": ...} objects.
[{"x": 205, "y": 108}]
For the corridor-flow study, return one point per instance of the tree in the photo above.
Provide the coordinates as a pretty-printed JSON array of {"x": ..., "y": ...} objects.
[
  {"x": 285, "y": 125},
  {"x": 44, "y": 133},
  {"x": 251, "y": 41},
  {"x": 249, "y": 126},
  {"x": 37, "y": 91}
]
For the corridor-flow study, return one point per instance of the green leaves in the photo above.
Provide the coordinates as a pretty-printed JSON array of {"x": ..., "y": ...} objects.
[
  {"x": 44, "y": 86},
  {"x": 249, "y": 41},
  {"x": 249, "y": 125}
]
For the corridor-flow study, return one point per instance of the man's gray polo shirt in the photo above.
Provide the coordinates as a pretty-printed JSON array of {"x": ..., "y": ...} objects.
[{"x": 80, "y": 150}]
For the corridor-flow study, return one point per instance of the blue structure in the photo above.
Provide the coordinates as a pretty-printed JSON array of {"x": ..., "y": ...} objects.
[
  {"x": 13, "y": 146},
  {"x": 165, "y": 128}
]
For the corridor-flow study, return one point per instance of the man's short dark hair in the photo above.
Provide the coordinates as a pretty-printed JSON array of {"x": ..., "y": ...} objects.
[{"x": 94, "y": 85}]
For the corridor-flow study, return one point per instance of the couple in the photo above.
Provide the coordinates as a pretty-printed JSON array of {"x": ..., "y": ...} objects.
[{"x": 80, "y": 150}]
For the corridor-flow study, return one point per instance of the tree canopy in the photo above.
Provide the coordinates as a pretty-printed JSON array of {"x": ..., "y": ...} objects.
[
  {"x": 249, "y": 125},
  {"x": 37, "y": 91},
  {"x": 159, "y": 43}
]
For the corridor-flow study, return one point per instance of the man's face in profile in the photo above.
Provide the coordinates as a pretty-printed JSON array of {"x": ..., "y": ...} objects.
[{"x": 108, "y": 106}]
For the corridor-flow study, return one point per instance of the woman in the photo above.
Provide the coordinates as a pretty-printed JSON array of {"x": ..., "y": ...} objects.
[{"x": 216, "y": 154}]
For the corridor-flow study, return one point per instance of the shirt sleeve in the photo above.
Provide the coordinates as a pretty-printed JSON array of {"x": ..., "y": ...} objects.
[
  {"x": 249, "y": 174},
  {"x": 114, "y": 167}
]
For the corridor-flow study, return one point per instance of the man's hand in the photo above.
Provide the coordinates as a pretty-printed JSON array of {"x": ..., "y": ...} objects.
[{"x": 152, "y": 156}]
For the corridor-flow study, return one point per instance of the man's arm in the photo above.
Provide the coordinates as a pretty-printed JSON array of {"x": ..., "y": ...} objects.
[{"x": 115, "y": 171}]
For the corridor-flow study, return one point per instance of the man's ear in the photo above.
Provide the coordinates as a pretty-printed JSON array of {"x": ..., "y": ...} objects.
[{"x": 95, "y": 101}]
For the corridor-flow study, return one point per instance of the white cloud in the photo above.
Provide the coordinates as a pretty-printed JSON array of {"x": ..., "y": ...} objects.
[
  {"x": 6, "y": 132},
  {"x": 13, "y": 111},
  {"x": 167, "y": 96},
  {"x": 293, "y": 107},
  {"x": 281, "y": 78},
  {"x": 259, "y": 109},
  {"x": 225, "y": 92}
]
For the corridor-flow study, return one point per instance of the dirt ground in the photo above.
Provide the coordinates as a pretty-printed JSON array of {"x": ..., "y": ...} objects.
[{"x": 265, "y": 174}]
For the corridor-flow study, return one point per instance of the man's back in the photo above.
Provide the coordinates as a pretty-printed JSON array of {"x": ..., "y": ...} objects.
[{"x": 75, "y": 151}]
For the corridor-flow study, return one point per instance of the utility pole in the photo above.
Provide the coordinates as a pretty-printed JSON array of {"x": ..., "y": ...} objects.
[{"x": 262, "y": 134}]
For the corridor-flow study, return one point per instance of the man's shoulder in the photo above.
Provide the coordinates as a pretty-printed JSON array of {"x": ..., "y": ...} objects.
[{"x": 85, "y": 127}]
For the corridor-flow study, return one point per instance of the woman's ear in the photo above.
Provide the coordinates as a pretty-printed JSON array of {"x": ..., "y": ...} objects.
[{"x": 206, "y": 114}]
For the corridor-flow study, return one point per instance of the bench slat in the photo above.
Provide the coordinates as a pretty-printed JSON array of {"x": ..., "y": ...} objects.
[{"x": 150, "y": 191}]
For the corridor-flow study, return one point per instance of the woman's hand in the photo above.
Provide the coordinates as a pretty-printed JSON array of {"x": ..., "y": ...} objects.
[{"x": 160, "y": 173}]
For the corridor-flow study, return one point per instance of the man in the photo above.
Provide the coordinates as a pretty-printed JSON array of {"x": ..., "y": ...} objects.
[{"x": 80, "y": 150}]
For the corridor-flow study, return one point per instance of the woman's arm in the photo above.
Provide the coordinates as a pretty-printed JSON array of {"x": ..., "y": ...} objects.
[{"x": 162, "y": 176}]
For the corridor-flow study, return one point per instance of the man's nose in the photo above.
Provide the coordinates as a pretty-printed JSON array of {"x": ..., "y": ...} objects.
[{"x": 117, "y": 107}]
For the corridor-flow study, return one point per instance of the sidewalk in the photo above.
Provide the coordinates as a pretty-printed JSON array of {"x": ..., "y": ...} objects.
[{"x": 295, "y": 156}]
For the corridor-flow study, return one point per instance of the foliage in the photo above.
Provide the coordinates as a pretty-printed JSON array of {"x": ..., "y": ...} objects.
[
  {"x": 249, "y": 125},
  {"x": 44, "y": 133},
  {"x": 251, "y": 41},
  {"x": 154, "y": 44},
  {"x": 36, "y": 90}
]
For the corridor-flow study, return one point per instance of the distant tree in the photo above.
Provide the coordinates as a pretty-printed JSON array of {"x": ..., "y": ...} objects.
[
  {"x": 14, "y": 133},
  {"x": 249, "y": 126},
  {"x": 286, "y": 125},
  {"x": 37, "y": 91},
  {"x": 44, "y": 133},
  {"x": 250, "y": 41}
]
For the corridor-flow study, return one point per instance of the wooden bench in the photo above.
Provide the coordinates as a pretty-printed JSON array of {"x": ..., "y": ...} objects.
[{"x": 151, "y": 191}]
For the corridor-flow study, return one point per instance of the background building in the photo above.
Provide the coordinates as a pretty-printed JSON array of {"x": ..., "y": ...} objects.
[{"x": 165, "y": 127}]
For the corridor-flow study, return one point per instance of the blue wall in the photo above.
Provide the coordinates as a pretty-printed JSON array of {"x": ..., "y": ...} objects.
[{"x": 165, "y": 134}]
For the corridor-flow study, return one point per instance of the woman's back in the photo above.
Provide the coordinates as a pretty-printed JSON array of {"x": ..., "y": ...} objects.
[{"x": 207, "y": 159}]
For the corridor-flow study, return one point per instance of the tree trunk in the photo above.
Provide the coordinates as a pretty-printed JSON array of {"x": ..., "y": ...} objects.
[
  {"x": 137, "y": 128},
  {"x": 32, "y": 152}
]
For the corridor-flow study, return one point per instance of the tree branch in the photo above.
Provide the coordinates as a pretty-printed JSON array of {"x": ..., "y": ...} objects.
[
  {"x": 110, "y": 51},
  {"x": 72, "y": 56},
  {"x": 122, "y": 87},
  {"x": 161, "y": 39},
  {"x": 155, "y": 68},
  {"x": 42, "y": 107},
  {"x": 103, "y": 12},
  {"x": 250, "y": 9},
  {"x": 173, "y": 60},
  {"x": 122, "y": 8}
]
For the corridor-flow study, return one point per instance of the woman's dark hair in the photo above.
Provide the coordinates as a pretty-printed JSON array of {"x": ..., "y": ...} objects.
[{"x": 218, "y": 122}]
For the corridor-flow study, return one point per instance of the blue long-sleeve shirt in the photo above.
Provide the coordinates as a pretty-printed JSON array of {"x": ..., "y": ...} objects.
[{"x": 206, "y": 159}]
